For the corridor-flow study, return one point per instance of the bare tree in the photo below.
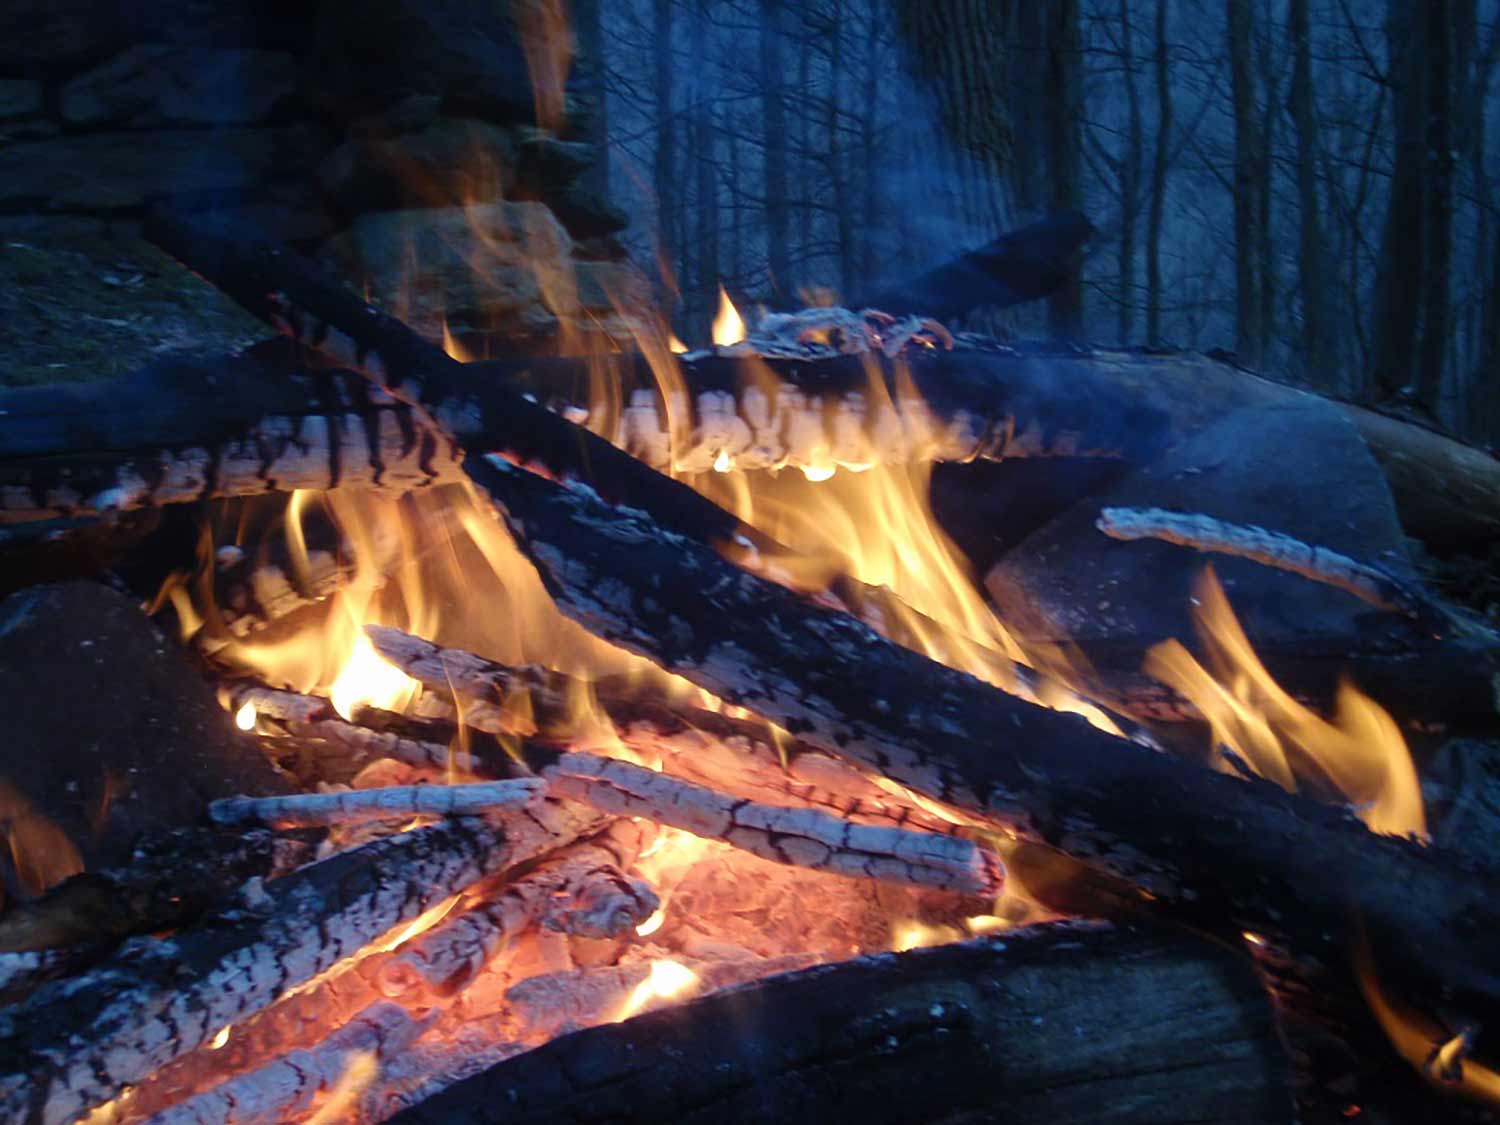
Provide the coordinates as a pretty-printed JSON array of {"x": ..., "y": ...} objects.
[
  {"x": 664, "y": 167},
  {"x": 1247, "y": 328},
  {"x": 1064, "y": 149},
  {"x": 1438, "y": 189},
  {"x": 1312, "y": 272},
  {"x": 1159, "y": 168},
  {"x": 1130, "y": 176}
]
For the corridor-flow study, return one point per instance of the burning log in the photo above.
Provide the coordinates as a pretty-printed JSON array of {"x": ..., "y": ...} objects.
[
  {"x": 797, "y": 837},
  {"x": 307, "y": 810},
  {"x": 1056, "y": 1023},
  {"x": 171, "y": 434},
  {"x": 583, "y": 890},
  {"x": 1220, "y": 850},
  {"x": 1270, "y": 548},
  {"x": 287, "y": 1088},
  {"x": 77, "y": 1043}
]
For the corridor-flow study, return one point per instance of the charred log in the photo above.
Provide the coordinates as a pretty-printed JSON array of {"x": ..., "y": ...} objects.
[
  {"x": 1059, "y": 1023},
  {"x": 359, "y": 806},
  {"x": 77, "y": 1043},
  {"x": 1222, "y": 851}
]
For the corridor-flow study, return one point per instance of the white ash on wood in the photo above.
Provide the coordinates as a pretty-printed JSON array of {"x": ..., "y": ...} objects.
[
  {"x": 357, "y": 806},
  {"x": 78, "y": 1043},
  {"x": 582, "y": 890},
  {"x": 798, "y": 837},
  {"x": 1270, "y": 548},
  {"x": 288, "y": 1088}
]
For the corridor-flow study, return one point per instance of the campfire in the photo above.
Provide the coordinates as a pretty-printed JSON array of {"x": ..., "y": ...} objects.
[{"x": 649, "y": 749}]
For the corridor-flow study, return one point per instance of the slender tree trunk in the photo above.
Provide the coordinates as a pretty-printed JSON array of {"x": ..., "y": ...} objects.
[
  {"x": 1247, "y": 330},
  {"x": 1436, "y": 280},
  {"x": 806, "y": 175},
  {"x": 1158, "y": 176},
  {"x": 1266, "y": 271},
  {"x": 1026, "y": 56},
  {"x": 1130, "y": 176},
  {"x": 869, "y": 157},
  {"x": 773, "y": 114},
  {"x": 1064, "y": 149},
  {"x": 588, "y": 21},
  {"x": 664, "y": 168},
  {"x": 737, "y": 216},
  {"x": 838, "y": 151},
  {"x": 1396, "y": 310},
  {"x": 705, "y": 154},
  {"x": 1312, "y": 273}
]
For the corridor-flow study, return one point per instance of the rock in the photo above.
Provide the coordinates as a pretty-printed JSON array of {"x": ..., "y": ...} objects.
[
  {"x": 367, "y": 54},
  {"x": 468, "y": 264},
  {"x": 587, "y": 215},
  {"x": 153, "y": 84},
  {"x": 19, "y": 97},
  {"x": 1296, "y": 466},
  {"x": 110, "y": 730},
  {"x": 545, "y": 164},
  {"x": 114, "y": 171},
  {"x": 451, "y": 161},
  {"x": 1462, "y": 789}
]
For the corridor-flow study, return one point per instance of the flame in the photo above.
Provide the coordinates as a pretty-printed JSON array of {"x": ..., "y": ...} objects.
[
  {"x": 728, "y": 327},
  {"x": 367, "y": 678},
  {"x": 667, "y": 980},
  {"x": 454, "y": 349},
  {"x": 244, "y": 718},
  {"x": 218, "y": 1041},
  {"x": 40, "y": 850},
  {"x": 359, "y": 1072},
  {"x": 674, "y": 345},
  {"x": 918, "y": 935},
  {"x": 1359, "y": 752}
]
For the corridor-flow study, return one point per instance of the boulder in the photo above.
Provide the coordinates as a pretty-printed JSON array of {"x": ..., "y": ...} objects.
[
  {"x": 154, "y": 84},
  {"x": 116, "y": 171},
  {"x": 111, "y": 731},
  {"x": 19, "y": 97},
  {"x": 450, "y": 161}
]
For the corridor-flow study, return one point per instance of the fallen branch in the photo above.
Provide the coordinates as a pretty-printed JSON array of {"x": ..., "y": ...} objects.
[
  {"x": 797, "y": 837},
  {"x": 1058, "y": 1023},
  {"x": 1269, "y": 548},
  {"x": 1230, "y": 854},
  {"x": 286, "y": 1089},
  {"x": 77, "y": 1043},
  {"x": 358, "y": 806},
  {"x": 582, "y": 890}
]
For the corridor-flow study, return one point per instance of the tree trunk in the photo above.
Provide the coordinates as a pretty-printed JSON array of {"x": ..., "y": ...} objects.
[
  {"x": 1158, "y": 177},
  {"x": 705, "y": 156},
  {"x": 664, "y": 168},
  {"x": 1064, "y": 150},
  {"x": 1312, "y": 272},
  {"x": 1397, "y": 311},
  {"x": 838, "y": 152},
  {"x": 1266, "y": 271},
  {"x": 1438, "y": 151},
  {"x": 1130, "y": 177},
  {"x": 589, "y": 21},
  {"x": 773, "y": 113},
  {"x": 1247, "y": 167},
  {"x": 869, "y": 155}
]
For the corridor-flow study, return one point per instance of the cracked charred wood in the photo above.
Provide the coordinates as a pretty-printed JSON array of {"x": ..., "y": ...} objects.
[
  {"x": 1061, "y": 1023},
  {"x": 1218, "y": 850},
  {"x": 75, "y": 1044},
  {"x": 359, "y": 806},
  {"x": 1021, "y": 265},
  {"x": 796, "y": 837},
  {"x": 181, "y": 431},
  {"x": 172, "y": 878}
]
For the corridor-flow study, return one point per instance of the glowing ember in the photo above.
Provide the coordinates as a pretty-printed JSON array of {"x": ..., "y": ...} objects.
[
  {"x": 728, "y": 327},
  {"x": 652, "y": 924},
  {"x": 722, "y": 463},
  {"x": 218, "y": 1041},
  {"x": 244, "y": 718}
]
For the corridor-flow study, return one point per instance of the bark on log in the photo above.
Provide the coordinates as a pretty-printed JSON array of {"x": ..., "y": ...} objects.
[
  {"x": 1225, "y": 852},
  {"x": 306, "y": 810},
  {"x": 180, "y": 431},
  {"x": 1066, "y": 1024},
  {"x": 77, "y": 1043},
  {"x": 797, "y": 837}
]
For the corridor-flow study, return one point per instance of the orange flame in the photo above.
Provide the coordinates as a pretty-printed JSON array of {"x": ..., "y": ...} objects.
[
  {"x": 1359, "y": 752},
  {"x": 667, "y": 980},
  {"x": 40, "y": 851},
  {"x": 728, "y": 327}
]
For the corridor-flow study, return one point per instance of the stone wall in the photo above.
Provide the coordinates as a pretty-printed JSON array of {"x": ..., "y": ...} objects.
[{"x": 349, "y": 129}]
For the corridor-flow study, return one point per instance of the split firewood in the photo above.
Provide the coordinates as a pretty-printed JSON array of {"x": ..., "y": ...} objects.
[
  {"x": 357, "y": 806},
  {"x": 797, "y": 837},
  {"x": 286, "y": 1089},
  {"x": 1269, "y": 548},
  {"x": 176, "y": 433},
  {"x": 1224, "y": 851},
  {"x": 1061, "y": 1023},
  {"x": 77, "y": 1043},
  {"x": 583, "y": 890}
]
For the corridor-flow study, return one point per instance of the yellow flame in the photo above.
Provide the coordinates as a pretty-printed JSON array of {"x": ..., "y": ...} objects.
[
  {"x": 339, "y": 1105},
  {"x": 728, "y": 327},
  {"x": 41, "y": 852},
  {"x": 674, "y": 345},
  {"x": 244, "y": 718},
  {"x": 918, "y": 935},
  {"x": 219, "y": 1040},
  {"x": 367, "y": 678},
  {"x": 1359, "y": 751},
  {"x": 667, "y": 980},
  {"x": 653, "y": 923}
]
